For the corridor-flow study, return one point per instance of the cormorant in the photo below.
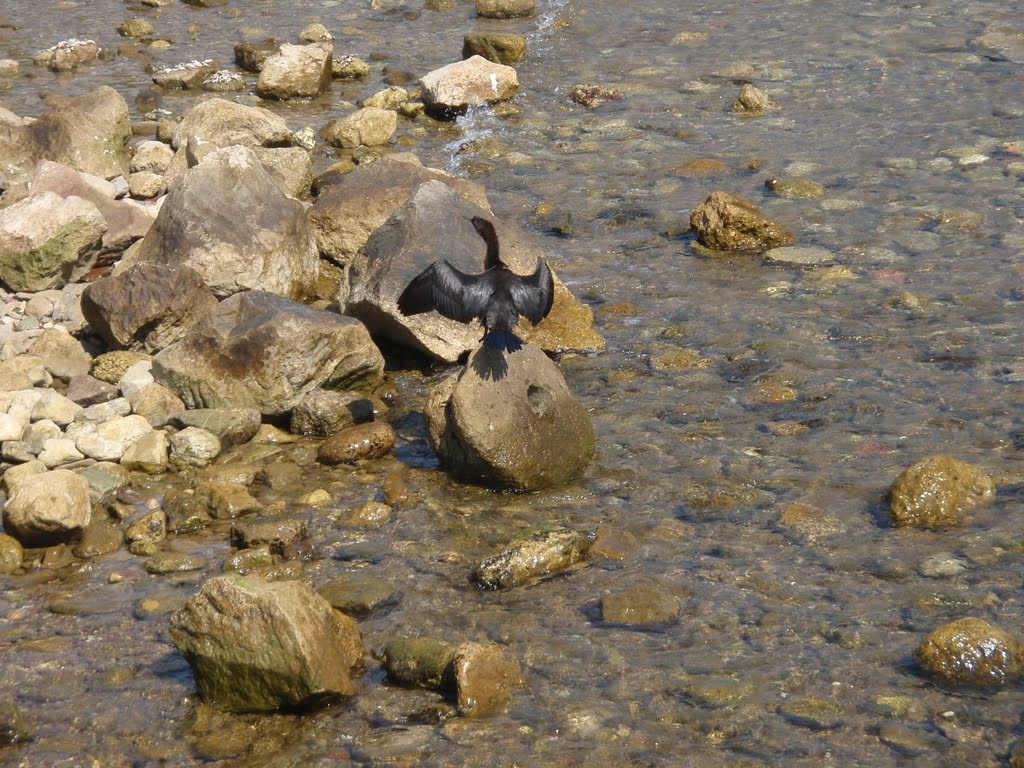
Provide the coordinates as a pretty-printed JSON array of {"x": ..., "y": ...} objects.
[{"x": 497, "y": 296}]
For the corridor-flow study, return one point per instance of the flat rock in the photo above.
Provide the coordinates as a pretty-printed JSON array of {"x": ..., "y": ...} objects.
[
  {"x": 485, "y": 677},
  {"x": 640, "y": 607},
  {"x": 359, "y": 595},
  {"x": 532, "y": 554}
]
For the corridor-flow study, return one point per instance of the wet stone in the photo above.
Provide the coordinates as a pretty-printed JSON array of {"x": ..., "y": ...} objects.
[
  {"x": 716, "y": 692},
  {"x": 150, "y": 527},
  {"x": 186, "y": 511},
  {"x": 910, "y": 741},
  {"x": 11, "y": 554},
  {"x": 102, "y": 536},
  {"x": 799, "y": 256},
  {"x": 13, "y": 727},
  {"x": 276, "y": 532},
  {"x": 173, "y": 562},
  {"x": 970, "y": 652},
  {"x": 485, "y": 676},
  {"x": 226, "y": 500},
  {"x": 795, "y": 187},
  {"x": 360, "y": 442},
  {"x": 810, "y": 712},
  {"x": 614, "y": 544},
  {"x": 942, "y": 566},
  {"x": 248, "y": 560},
  {"x": 533, "y": 554},
  {"x": 359, "y": 595},
  {"x": 422, "y": 662},
  {"x": 647, "y": 606},
  {"x": 372, "y": 514},
  {"x": 937, "y": 492}
]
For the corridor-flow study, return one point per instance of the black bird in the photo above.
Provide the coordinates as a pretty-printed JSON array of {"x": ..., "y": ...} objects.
[{"x": 497, "y": 296}]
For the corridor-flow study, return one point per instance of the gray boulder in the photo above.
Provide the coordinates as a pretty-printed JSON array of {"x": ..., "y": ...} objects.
[
  {"x": 434, "y": 224},
  {"x": 48, "y": 508},
  {"x": 225, "y": 123},
  {"x": 369, "y": 126},
  {"x": 258, "y": 646},
  {"x": 509, "y": 421},
  {"x": 296, "y": 71},
  {"x": 146, "y": 306},
  {"x": 258, "y": 350},
  {"x": 346, "y": 214},
  {"x": 47, "y": 242},
  {"x": 228, "y": 220}
]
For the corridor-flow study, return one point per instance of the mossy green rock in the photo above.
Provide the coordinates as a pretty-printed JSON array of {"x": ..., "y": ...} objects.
[
  {"x": 814, "y": 713},
  {"x": 258, "y": 646},
  {"x": 420, "y": 662},
  {"x": 11, "y": 554},
  {"x": 970, "y": 652},
  {"x": 532, "y": 554},
  {"x": 499, "y": 48},
  {"x": 795, "y": 187},
  {"x": 359, "y": 595},
  {"x": 936, "y": 492}
]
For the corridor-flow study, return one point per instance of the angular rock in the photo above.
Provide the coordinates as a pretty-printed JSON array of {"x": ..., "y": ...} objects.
[
  {"x": 226, "y": 500},
  {"x": 258, "y": 350},
  {"x": 227, "y": 219},
  {"x": 48, "y": 508},
  {"x": 532, "y": 554},
  {"x": 232, "y": 426},
  {"x": 420, "y": 662},
  {"x": 345, "y": 215},
  {"x": 752, "y": 101},
  {"x": 276, "y": 532},
  {"x": 58, "y": 452},
  {"x": 296, "y": 71},
  {"x": 61, "y": 353},
  {"x": 524, "y": 430},
  {"x": 147, "y": 306},
  {"x": 971, "y": 652},
  {"x": 156, "y": 404},
  {"x": 187, "y": 75},
  {"x": 47, "y": 242},
  {"x": 727, "y": 222},
  {"x": 505, "y": 9},
  {"x": 105, "y": 480},
  {"x": 252, "y": 56},
  {"x": 323, "y": 412},
  {"x": 224, "y": 123},
  {"x": 136, "y": 377},
  {"x": 369, "y": 126},
  {"x": 473, "y": 82},
  {"x": 434, "y": 224},
  {"x": 54, "y": 407},
  {"x": 148, "y": 527},
  {"x": 358, "y": 595},
  {"x": 259, "y": 646},
  {"x": 499, "y": 48},
  {"x": 937, "y": 492},
  {"x": 87, "y": 390},
  {"x": 393, "y": 98},
  {"x": 194, "y": 447},
  {"x": 148, "y": 454},
  {"x": 349, "y": 67},
  {"x": 153, "y": 156},
  {"x": 360, "y": 442},
  {"x": 291, "y": 168},
  {"x": 485, "y": 676}
]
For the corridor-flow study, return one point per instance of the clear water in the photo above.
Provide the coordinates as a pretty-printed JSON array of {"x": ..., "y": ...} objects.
[{"x": 816, "y": 387}]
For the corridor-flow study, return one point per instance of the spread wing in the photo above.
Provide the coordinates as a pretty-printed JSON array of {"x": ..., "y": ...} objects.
[
  {"x": 441, "y": 286},
  {"x": 533, "y": 295}
]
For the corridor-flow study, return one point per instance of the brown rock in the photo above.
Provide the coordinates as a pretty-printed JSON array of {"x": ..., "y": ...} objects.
[
  {"x": 485, "y": 676},
  {"x": 936, "y": 492},
  {"x": 971, "y": 652},
  {"x": 362, "y": 441},
  {"x": 727, "y": 222}
]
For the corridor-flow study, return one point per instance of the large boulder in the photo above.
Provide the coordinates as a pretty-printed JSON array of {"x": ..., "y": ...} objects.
[
  {"x": 48, "y": 508},
  {"x": 727, "y": 222},
  {"x": 346, "y": 214},
  {"x": 47, "y": 242},
  {"x": 258, "y": 646},
  {"x": 259, "y": 350},
  {"x": 296, "y": 71},
  {"x": 509, "y": 421},
  {"x": 146, "y": 306},
  {"x": 228, "y": 220},
  {"x": 473, "y": 82},
  {"x": 224, "y": 123},
  {"x": 434, "y": 224}
]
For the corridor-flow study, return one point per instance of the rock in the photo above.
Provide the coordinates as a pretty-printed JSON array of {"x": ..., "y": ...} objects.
[
  {"x": 153, "y": 156},
  {"x": 173, "y": 562},
  {"x": 369, "y": 126},
  {"x": 372, "y": 514},
  {"x": 296, "y": 71},
  {"x": 421, "y": 662},
  {"x": 232, "y": 426},
  {"x": 505, "y": 9},
  {"x": 349, "y": 68},
  {"x": 799, "y": 256},
  {"x": 148, "y": 454},
  {"x": 473, "y": 82},
  {"x": 11, "y": 555},
  {"x": 135, "y": 27},
  {"x": 227, "y": 219},
  {"x": 727, "y": 222},
  {"x": 258, "y": 350},
  {"x": 14, "y": 475},
  {"x": 194, "y": 447},
  {"x": 187, "y": 75},
  {"x": 937, "y": 492},
  {"x": 259, "y": 646},
  {"x": 970, "y": 652},
  {"x": 315, "y": 33},
  {"x": 111, "y": 366},
  {"x": 275, "y": 531},
  {"x": 13, "y": 727},
  {"x": 145, "y": 185},
  {"x": 68, "y": 55},
  {"x": 393, "y": 98},
  {"x": 356, "y": 594},
  {"x": 532, "y": 554},
  {"x": 149, "y": 527},
  {"x": 795, "y": 187},
  {"x": 112, "y": 438},
  {"x": 105, "y": 480},
  {"x": 485, "y": 675},
  {"x": 47, "y": 242},
  {"x": 345, "y": 215},
  {"x": 500, "y": 48},
  {"x": 59, "y": 451},
  {"x": 23, "y": 373},
  {"x": 640, "y": 607},
  {"x": 434, "y": 224},
  {"x": 290, "y": 167},
  {"x": 48, "y": 508},
  {"x": 87, "y": 390},
  {"x": 590, "y": 95},
  {"x": 323, "y": 412},
  {"x": 752, "y": 101},
  {"x": 147, "y": 306},
  {"x": 54, "y": 407},
  {"x": 136, "y": 377},
  {"x": 224, "y": 123},
  {"x": 251, "y": 56},
  {"x": 524, "y": 430},
  {"x": 226, "y": 500},
  {"x": 806, "y": 521},
  {"x": 9, "y": 68},
  {"x": 813, "y": 713},
  {"x": 248, "y": 560},
  {"x": 101, "y": 412},
  {"x": 61, "y": 354},
  {"x": 356, "y": 443}
]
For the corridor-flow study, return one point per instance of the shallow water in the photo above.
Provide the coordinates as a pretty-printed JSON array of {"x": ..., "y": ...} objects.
[{"x": 816, "y": 386}]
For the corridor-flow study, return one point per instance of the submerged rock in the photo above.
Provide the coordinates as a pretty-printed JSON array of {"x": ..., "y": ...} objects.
[
  {"x": 533, "y": 554},
  {"x": 421, "y": 662},
  {"x": 505, "y": 9},
  {"x": 640, "y": 607},
  {"x": 258, "y": 646},
  {"x": 971, "y": 652},
  {"x": 510, "y": 421},
  {"x": 936, "y": 492},
  {"x": 485, "y": 676},
  {"x": 727, "y": 222},
  {"x": 500, "y": 48},
  {"x": 48, "y": 508}
]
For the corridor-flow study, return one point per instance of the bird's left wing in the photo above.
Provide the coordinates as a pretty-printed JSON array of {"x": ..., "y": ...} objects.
[{"x": 533, "y": 294}]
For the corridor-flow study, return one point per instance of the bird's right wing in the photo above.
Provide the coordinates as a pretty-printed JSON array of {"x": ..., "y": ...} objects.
[
  {"x": 441, "y": 286},
  {"x": 535, "y": 293}
]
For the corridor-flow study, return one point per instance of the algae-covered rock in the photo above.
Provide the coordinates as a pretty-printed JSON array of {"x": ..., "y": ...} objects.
[
  {"x": 795, "y": 187},
  {"x": 371, "y": 440},
  {"x": 261, "y": 646},
  {"x": 645, "y": 606},
  {"x": 727, "y": 222},
  {"x": 970, "y": 651},
  {"x": 11, "y": 554},
  {"x": 814, "y": 713},
  {"x": 485, "y": 675},
  {"x": 420, "y": 662},
  {"x": 532, "y": 554},
  {"x": 936, "y": 492}
]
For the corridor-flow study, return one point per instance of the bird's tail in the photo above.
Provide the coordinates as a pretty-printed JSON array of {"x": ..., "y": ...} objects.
[{"x": 503, "y": 340}]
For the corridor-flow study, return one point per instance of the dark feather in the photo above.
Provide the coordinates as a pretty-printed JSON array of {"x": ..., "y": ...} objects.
[{"x": 533, "y": 295}]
